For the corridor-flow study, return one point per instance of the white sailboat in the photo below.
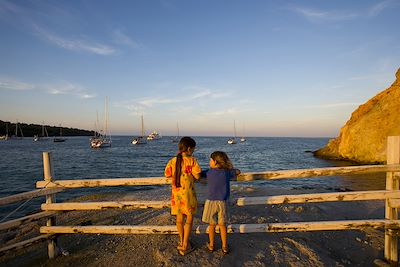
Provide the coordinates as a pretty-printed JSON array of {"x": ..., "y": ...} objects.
[
  {"x": 104, "y": 139},
  {"x": 44, "y": 137},
  {"x": 154, "y": 136},
  {"x": 243, "y": 139},
  {"x": 140, "y": 139},
  {"x": 59, "y": 139},
  {"x": 17, "y": 129},
  {"x": 5, "y": 136},
  {"x": 176, "y": 138},
  {"x": 232, "y": 140}
]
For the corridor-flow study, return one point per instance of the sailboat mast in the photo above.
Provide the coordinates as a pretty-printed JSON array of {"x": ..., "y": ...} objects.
[
  {"x": 142, "y": 126},
  {"x": 105, "y": 118},
  {"x": 234, "y": 128}
]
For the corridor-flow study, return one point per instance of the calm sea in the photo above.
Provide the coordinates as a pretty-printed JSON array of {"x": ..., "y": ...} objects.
[{"x": 21, "y": 163}]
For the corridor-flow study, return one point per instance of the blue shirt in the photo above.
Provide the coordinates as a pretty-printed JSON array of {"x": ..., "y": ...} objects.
[{"x": 218, "y": 183}]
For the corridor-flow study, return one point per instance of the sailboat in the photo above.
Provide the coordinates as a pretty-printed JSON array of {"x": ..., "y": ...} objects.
[
  {"x": 5, "y": 137},
  {"x": 176, "y": 138},
  {"x": 44, "y": 137},
  {"x": 140, "y": 139},
  {"x": 59, "y": 139},
  {"x": 232, "y": 140},
  {"x": 102, "y": 140},
  {"x": 243, "y": 139},
  {"x": 17, "y": 127}
]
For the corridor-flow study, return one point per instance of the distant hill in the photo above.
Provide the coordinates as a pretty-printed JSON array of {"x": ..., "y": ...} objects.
[{"x": 29, "y": 130}]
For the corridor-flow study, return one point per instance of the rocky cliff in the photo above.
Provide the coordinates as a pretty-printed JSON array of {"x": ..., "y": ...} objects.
[{"x": 363, "y": 138}]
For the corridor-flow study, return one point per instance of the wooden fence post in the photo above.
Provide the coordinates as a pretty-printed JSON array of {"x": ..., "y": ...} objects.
[
  {"x": 392, "y": 183},
  {"x": 48, "y": 177}
]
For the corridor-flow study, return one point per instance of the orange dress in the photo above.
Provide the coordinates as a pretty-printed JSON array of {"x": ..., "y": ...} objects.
[{"x": 183, "y": 199}]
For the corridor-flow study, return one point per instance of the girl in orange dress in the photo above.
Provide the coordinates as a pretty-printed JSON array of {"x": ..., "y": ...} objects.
[{"x": 184, "y": 170}]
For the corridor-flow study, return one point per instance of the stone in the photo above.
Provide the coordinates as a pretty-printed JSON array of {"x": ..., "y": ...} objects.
[{"x": 363, "y": 138}]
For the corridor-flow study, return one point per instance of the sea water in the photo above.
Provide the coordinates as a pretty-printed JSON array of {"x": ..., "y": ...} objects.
[{"x": 21, "y": 164}]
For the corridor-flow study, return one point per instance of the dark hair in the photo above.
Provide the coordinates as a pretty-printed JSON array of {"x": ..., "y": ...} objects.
[
  {"x": 184, "y": 144},
  {"x": 222, "y": 160}
]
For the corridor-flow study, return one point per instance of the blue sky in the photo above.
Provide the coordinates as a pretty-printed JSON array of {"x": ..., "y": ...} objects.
[{"x": 276, "y": 68}]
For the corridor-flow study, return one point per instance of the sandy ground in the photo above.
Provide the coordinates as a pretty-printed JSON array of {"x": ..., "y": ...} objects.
[{"x": 330, "y": 248}]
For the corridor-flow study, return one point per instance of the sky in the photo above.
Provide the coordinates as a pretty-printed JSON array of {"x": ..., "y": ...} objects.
[{"x": 271, "y": 68}]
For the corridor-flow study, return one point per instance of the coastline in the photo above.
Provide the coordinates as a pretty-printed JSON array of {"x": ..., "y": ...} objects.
[{"x": 330, "y": 248}]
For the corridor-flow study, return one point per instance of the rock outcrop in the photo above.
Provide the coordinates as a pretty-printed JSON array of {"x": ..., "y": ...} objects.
[{"x": 363, "y": 138}]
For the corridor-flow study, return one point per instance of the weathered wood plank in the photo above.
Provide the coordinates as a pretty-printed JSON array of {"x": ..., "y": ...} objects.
[
  {"x": 381, "y": 263},
  {"x": 286, "y": 174},
  {"x": 317, "y": 172},
  {"x": 318, "y": 197},
  {"x": 394, "y": 203},
  {"x": 392, "y": 158},
  {"x": 106, "y": 205},
  {"x": 28, "y": 195},
  {"x": 103, "y": 182},
  {"x": 234, "y": 228},
  {"x": 24, "y": 243},
  {"x": 48, "y": 172},
  {"x": 24, "y": 220}
]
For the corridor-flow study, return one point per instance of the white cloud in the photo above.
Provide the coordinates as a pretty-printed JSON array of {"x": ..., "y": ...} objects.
[
  {"x": 191, "y": 96},
  {"x": 121, "y": 38},
  {"x": 67, "y": 88},
  {"x": 11, "y": 84},
  {"x": 314, "y": 14},
  {"x": 229, "y": 111},
  {"x": 336, "y": 105},
  {"x": 75, "y": 45},
  {"x": 379, "y": 7},
  {"x": 150, "y": 102}
]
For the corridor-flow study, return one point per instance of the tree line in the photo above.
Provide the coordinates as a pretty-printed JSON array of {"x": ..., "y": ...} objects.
[{"x": 29, "y": 130}]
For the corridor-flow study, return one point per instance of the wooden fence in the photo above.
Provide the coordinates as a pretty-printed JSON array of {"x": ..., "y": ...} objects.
[{"x": 391, "y": 224}]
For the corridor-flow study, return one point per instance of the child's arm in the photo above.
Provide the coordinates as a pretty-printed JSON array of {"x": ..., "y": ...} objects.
[
  {"x": 196, "y": 170},
  {"x": 168, "y": 170},
  {"x": 235, "y": 173}
]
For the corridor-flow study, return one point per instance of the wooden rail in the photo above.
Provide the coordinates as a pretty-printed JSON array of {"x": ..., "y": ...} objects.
[
  {"x": 246, "y": 177},
  {"x": 103, "y": 182},
  {"x": 243, "y": 201},
  {"x": 233, "y": 228},
  {"x": 25, "y": 220},
  {"x": 318, "y": 172},
  {"x": 320, "y": 197},
  {"x": 28, "y": 195}
]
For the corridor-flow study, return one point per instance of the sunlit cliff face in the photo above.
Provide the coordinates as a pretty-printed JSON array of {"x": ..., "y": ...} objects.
[{"x": 363, "y": 138}]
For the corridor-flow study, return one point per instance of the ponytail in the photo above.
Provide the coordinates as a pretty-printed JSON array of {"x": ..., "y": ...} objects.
[{"x": 178, "y": 170}]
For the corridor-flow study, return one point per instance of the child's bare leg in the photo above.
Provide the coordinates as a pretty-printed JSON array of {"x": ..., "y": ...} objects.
[
  {"x": 179, "y": 226},
  {"x": 187, "y": 231},
  {"x": 211, "y": 235},
  {"x": 222, "y": 230}
]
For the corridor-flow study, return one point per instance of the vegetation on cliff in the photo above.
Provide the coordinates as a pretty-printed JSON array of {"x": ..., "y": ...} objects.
[
  {"x": 29, "y": 130},
  {"x": 363, "y": 137}
]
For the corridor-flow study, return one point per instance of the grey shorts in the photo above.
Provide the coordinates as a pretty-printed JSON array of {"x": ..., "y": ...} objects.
[{"x": 215, "y": 212}]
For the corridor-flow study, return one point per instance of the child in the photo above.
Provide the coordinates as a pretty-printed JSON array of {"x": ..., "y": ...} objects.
[
  {"x": 218, "y": 178},
  {"x": 183, "y": 169}
]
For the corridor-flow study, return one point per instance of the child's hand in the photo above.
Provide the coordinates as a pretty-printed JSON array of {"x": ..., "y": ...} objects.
[{"x": 237, "y": 172}]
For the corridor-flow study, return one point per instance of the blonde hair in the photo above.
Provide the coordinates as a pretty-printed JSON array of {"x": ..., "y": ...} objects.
[{"x": 222, "y": 161}]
